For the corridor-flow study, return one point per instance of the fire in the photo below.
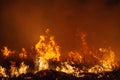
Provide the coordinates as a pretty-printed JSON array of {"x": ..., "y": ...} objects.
[
  {"x": 3, "y": 72},
  {"x": 76, "y": 57},
  {"x": 15, "y": 71},
  {"x": 96, "y": 69},
  {"x": 23, "y": 54},
  {"x": 41, "y": 64},
  {"x": 23, "y": 68},
  {"x": 108, "y": 61},
  {"x": 66, "y": 67},
  {"x": 6, "y": 52},
  {"x": 47, "y": 50}
]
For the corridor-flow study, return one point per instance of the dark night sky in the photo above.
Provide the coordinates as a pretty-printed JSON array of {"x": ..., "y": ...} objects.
[{"x": 22, "y": 21}]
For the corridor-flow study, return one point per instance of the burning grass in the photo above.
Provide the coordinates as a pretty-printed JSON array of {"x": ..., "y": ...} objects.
[{"x": 45, "y": 56}]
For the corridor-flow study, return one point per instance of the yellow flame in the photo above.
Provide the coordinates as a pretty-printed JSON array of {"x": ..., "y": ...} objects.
[
  {"x": 23, "y": 68},
  {"x": 108, "y": 60},
  {"x": 67, "y": 68},
  {"x": 15, "y": 71},
  {"x": 3, "y": 72},
  {"x": 46, "y": 49},
  {"x": 96, "y": 69},
  {"x": 41, "y": 64}
]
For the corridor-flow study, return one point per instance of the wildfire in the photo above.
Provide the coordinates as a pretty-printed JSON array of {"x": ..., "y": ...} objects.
[{"x": 47, "y": 50}]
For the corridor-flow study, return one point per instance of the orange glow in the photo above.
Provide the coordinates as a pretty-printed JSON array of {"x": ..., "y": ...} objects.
[{"x": 23, "y": 54}]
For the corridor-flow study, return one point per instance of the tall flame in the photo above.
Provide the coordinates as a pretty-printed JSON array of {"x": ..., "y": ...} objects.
[{"x": 47, "y": 49}]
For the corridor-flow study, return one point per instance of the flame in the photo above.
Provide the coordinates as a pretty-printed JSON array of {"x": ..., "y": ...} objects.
[
  {"x": 3, "y": 72},
  {"x": 67, "y": 68},
  {"x": 15, "y": 71},
  {"x": 47, "y": 50},
  {"x": 41, "y": 64},
  {"x": 6, "y": 52},
  {"x": 96, "y": 69},
  {"x": 23, "y": 68},
  {"x": 108, "y": 61},
  {"x": 23, "y": 54},
  {"x": 76, "y": 57}
]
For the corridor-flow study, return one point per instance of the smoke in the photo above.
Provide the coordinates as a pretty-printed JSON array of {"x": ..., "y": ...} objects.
[{"x": 22, "y": 22}]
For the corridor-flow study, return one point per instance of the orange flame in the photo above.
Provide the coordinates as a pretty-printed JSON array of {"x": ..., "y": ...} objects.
[
  {"x": 6, "y": 52},
  {"x": 23, "y": 54},
  {"x": 47, "y": 50}
]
